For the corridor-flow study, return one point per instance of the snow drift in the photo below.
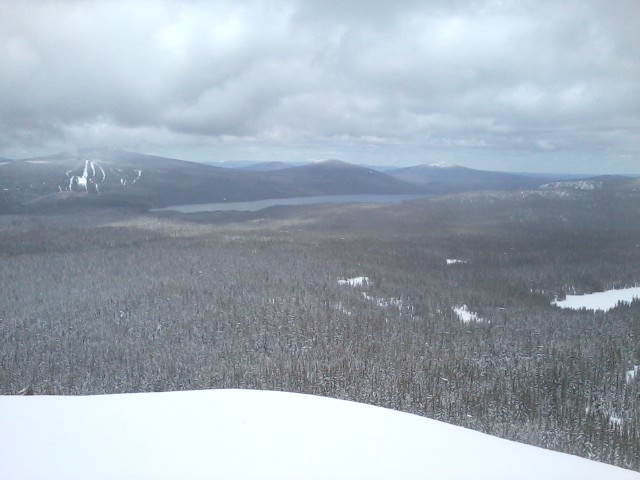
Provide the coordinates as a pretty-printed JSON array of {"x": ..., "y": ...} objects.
[{"x": 243, "y": 434}]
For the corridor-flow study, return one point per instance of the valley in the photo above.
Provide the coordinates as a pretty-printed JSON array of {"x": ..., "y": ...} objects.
[
  {"x": 306, "y": 239},
  {"x": 440, "y": 307}
]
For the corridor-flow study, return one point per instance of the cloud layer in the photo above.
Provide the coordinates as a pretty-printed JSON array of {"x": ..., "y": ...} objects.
[{"x": 525, "y": 83}]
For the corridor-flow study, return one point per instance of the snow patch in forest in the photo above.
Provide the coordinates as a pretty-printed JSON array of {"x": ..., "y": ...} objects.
[
  {"x": 465, "y": 315},
  {"x": 631, "y": 374},
  {"x": 573, "y": 185},
  {"x": 341, "y": 308},
  {"x": 379, "y": 301},
  {"x": 355, "y": 282},
  {"x": 615, "y": 421},
  {"x": 386, "y": 302},
  {"x": 454, "y": 261},
  {"x": 605, "y": 301},
  {"x": 607, "y": 412},
  {"x": 247, "y": 434}
]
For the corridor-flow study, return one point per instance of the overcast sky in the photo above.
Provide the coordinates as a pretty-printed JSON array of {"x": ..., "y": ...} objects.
[{"x": 506, "y": 85}]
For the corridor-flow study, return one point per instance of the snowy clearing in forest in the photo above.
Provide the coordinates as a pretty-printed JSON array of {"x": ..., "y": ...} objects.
[
  {"x": 615, "y": 421},
  {"x": 355, "y": 282},
  {"x": 245, "y": 434},
  {"x": 631, "y": 374},
  {"x": 573, "y": 185},
  {"x": 605, "y": 301},
  {"x": 379, "y": 301},
  {"x": 383, "y": 302},
  {"x": 467, "y": 316},
  {"x": 391, "y": 302},
  {"x": 454, "y": 261}
]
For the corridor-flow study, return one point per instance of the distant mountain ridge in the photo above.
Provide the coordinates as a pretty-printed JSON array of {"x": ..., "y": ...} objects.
[
  {"x": 267, "y": 166},
  {"x": 116, "y": 177},
  {"x": 335, "y": 177},
  {"x": 457, "y": 178}
]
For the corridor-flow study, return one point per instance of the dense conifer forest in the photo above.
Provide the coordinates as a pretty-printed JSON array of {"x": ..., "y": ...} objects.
[{"x": 109, "y": 301}]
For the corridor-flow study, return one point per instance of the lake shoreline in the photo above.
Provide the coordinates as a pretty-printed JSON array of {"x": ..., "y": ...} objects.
[{"x": 257, "y": 205}]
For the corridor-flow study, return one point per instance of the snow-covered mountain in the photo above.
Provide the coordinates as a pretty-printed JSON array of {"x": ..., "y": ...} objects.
[
  {"x": 243, "y": 434},
  {"x": 108, "y": 176}
]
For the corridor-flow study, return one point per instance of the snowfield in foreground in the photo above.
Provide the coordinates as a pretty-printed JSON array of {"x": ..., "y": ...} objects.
[{"x": 244, "y": 434}]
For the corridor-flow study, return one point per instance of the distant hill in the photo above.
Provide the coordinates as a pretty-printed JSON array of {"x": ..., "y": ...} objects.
[
  {"x": 107, "y": 176},
  {"x": 632, "y": 185},
  {"x": 448, "y": 177},
  {"x": 334, "y": 177},
  {"x": 115, "y": 177},
  {"x": 230, "y": 164},
  {"x": 267, "y": 166}
]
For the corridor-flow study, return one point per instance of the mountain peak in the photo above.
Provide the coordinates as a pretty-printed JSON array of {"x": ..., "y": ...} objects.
[
  {"x": 442, "y": 165},
  {"x": 331, "y": 161}
]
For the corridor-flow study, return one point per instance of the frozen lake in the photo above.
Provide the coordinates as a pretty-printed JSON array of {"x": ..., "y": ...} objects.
[{"x": 272, "y": 202}]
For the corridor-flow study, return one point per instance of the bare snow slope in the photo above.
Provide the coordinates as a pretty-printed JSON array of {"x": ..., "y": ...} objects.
[{"x": 244, "y": 434}]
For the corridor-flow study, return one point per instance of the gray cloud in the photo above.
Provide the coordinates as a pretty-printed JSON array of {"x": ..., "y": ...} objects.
[{"x": 521, "y": 85}]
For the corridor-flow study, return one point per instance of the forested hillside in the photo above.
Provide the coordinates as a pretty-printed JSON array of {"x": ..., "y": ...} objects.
[{"x": 116, "y": 301}]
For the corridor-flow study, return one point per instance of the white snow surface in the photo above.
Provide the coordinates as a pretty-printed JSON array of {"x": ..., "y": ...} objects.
[
  {"x": 355, "y": 282},
  {"x": 245, "y": 434},
  {"x": 82, "y": 181},
  {"x": 600, "y": 300},
  {"x": 454, "y": 261},
  {"x": 633, "y": 373},
  {"x": 465, "y": 315}
]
